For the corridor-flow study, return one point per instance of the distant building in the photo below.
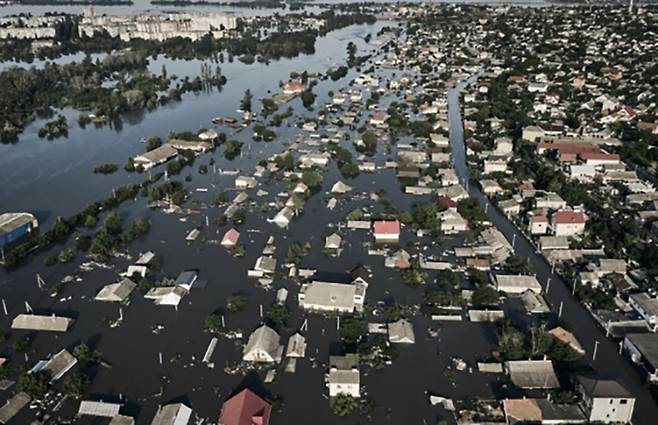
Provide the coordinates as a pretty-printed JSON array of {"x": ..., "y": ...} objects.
[
  {"x": 14, "y": 226},
  {"x": 156, "y": 156},
  {"x": 605, "y": 401},
  {"x": 245, "y": 408},
  {"x": 293, "y": 87}
]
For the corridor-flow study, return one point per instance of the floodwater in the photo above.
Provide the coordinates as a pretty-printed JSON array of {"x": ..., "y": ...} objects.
[{"x": 56, "y": 178}]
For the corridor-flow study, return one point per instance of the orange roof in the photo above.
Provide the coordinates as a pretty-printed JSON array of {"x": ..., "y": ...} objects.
[
  {"x": 523, "y": 410},
  {"x": 569, "y": 148},
  {"x": 569, "y": 217},
  {"x": 599, "y": 156},
  {"x": 391, "y": 227}
]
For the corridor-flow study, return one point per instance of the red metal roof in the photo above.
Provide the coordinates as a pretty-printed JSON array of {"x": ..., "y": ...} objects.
[
  {"x": 569, "y": 148},
  {"x": 599, "y": 156},
  {"x": 245, "y": 408},
  {"x": 387, "y": 227},
  {"x": 568, "y": 217},
  {"x": 448, "y": 202},
  {"x": 231, "y": 236}
]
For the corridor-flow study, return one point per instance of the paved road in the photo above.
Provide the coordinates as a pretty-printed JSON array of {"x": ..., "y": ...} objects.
[{"x": 608, "y": 360}]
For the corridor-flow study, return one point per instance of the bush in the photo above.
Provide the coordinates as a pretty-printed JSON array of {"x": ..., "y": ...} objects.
[
  {"x": 108, "y": 168},
  {"x": 236, "y": 303},
  {"x": 277, "y": 314}
]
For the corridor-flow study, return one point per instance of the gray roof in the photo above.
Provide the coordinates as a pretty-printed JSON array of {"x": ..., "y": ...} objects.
[
  {"x": 172, "y": 414},
  {"x": 157, "y": 155},
  {"x": 264, "y": 339},
  {"x": 401, "y": 332},
  {"x": 122, "y": 420},
  {"x": 34, "y": 322},
  {"x": 560, "y": 412},
  {"x": 344, "y": 376},
  {"x": 99, "y": 408},
  {"x": 346, "y": 362},
  {"x": 296, "y": 346},
  {"x": 647, "y": 303},
  {"x": 13, "y": 406},
  {"x": 328, "y": 294},
  {"x": 532, "y": 374},
  {"x": 59, "y": 364},
  {"x": 603, "y": 388},
  {"x": 116, "y": 292},
  {"x": 647, "y": 344},
  {"x": 12, "y": 221}
]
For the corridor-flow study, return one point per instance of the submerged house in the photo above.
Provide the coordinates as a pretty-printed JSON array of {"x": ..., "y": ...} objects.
[
  {"x": 116, "y": 292},
  {"x": 263, "y": 346},
  {"x": 344, "y": 376},
  {"x": 57, "y": 365},
  {"x": 166, "y": 295},
  {"x": 401, "y": 332},
  {"x": 337, "y": 295},
  {"x": 172, "y": 414},
  {"x": 245, "y": 408},
  {"x": 14, "y": 226},
  {"x": 387, "y": 231},
  {"x": 34, "y": 322}
]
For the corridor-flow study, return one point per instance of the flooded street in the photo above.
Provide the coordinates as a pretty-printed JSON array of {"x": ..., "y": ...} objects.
[
  {"x": 53, "y": 174},
  {"x": 152, "y": 355}
]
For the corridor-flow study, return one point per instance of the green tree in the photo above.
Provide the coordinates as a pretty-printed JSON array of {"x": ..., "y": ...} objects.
[
  {"x": 77, "y": 385},
  {"x": 344, "y": 405},
  {"x": 485, "y": 296},
  {"x": 277, "y": 314},
  {"x": 82, "y": 352},
  {"x": 213, "y": 323},
  {"x": 236, "y": 303},
  {"x": 352, "y": 330},
  {"x": 34, "y": 384}
]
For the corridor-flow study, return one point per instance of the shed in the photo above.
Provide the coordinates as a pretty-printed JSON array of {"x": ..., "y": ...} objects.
[
  {"x": 296, "y": 346},
  {"x": 99, "y": 408}
]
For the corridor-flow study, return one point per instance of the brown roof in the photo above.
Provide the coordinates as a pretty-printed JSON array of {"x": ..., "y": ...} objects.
[
  {"x": 522, "y": 410},
  {"x": 245, "y": 408}
]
